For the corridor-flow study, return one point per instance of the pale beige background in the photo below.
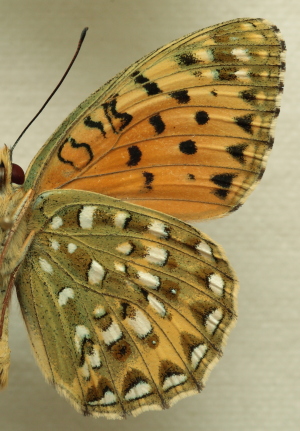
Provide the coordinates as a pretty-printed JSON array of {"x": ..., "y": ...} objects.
[{"x": 256, "y": 384}]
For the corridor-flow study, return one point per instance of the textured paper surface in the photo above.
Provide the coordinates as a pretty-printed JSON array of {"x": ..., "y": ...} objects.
[{"x": 256, "y": 384}]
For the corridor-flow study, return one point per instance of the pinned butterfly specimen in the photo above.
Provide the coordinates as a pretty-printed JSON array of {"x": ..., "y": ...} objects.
[{"x": 127, "y": 307}]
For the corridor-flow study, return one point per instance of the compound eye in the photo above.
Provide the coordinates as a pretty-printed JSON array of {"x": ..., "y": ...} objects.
[{"x": 17, "y": 174}]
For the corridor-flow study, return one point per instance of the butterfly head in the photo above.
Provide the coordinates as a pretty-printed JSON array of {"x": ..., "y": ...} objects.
[{"x": 10, "y": 174}]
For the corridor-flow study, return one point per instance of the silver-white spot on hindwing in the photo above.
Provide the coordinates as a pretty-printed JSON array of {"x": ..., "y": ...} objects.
[
  {"x": 140, "y": 324},
  {"x": 139, "y": 390},
  {"x": 158, "y": 229},
  {"x": 96, "y": 272},
  {"x": 120, "y": 267},
  {"x": 148, "y": 280},
  {"x": 197, "y": 355},
  {"x": 86, "y": 216},
  {"x": 71, "y": 247},
  {"x": 112, "y": 334},
  {"x": 99, "y": 312},
  {"x": 174, "y": 380},
  {"x": 157, "y": 305},
  {"x": 81, "y": 333},
  {"x": 45, "y": 265},
  {"x": 121, "y": 218},
  {"x": 94, "y": 357},
  {"x": 125, "y": 248},
  {"x": 213, "y": 320},
  {"x": 64, "y": 295},
  {"x": 108, "y": 399},
  {"x": 55, "y": 244},
  {"x": 156, "y": 255},
  {"x": 56, "y": 222},
  {"x": 204, "y": 248},
  {"x": 216, "y": 284}
]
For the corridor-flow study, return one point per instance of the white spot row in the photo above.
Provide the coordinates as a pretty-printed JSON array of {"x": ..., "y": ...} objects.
[
  {"x": 156, "y": 255},
  {"x": 174, "y": 380},
  {"x": 55, "y": 245},
  {"x": 158, "y": 229},
  {"x": 148, "y": 280},
  {"x": 204, "y": 248},
  {"x": 216, "y": 284},
  {"x": 121, "y": 218},
  {"x": 86, "y": 216},
  {"x": 81, "y": 333},
  {"x": 213, "y": 320},
  {"x": 140, "y": 390},
  {"x": 197, "y": 355},
  {"x": 125, "y": 248},
  {"x": 241, "y": 54},
  {"x": 112, "y": 334},
  {"x": 157, "y": 305},
  {"x": 64, "y": 295},
  {"x": 96, "y": 272},
  {"x": 140, "y": 324}
]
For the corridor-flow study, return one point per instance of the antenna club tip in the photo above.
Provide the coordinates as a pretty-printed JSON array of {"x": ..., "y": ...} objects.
[{"x": 83, "y": 33}]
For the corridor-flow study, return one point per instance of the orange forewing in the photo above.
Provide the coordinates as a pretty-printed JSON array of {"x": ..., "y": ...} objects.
[{"x": 185, "y": 131}]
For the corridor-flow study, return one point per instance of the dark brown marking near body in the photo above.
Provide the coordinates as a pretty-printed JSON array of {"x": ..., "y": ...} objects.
[
  {"x": 151, "y": 87},
  {"x": 135, "y": 155},
  {"x": 149, "y": 177},
  {"x": 181, "y": 96},
  {"x": 187, "y": 59},
  {"x": 88, "y": 122},
  {"x": 87, "y": 152},
  {"x": 111, "y": 113},
  {"x": 158, "y": 124},
  {"x": 188, "y": 147},
  {"x": 201, "y": 117},
  {"x": 245, "y": 123},
  {"x": 237, "y": 152},
  {"x": 214, "y": 93}
]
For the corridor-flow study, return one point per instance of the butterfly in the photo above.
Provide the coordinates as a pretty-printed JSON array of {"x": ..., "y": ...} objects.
[{"x": 127, "y": 306}]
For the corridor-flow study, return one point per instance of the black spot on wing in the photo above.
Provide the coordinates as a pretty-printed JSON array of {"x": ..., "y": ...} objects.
[
  {"x": 117, "y": 120},
  {"x": 248, "y": 95},
  {"x": 75, "y": 145},
  {"x": 237, "y": 152},
  {"x": 149, "y": 177},
  {"x": 191, "y": 177},
  {"x": 187, "y": 59},
  {"x": 158, "y": 124},
  {"x": 151, "y": 87},
  {"x": 188, "y": 147},
  {"x": 201, "y": 117},
  {"x": 245, "y": 123},
  {"x": 181, "y": 96},
  {"x": 224, "y": 181},
  {"x": 135, "y": 155},
  {"x": 88, "y": 122}
]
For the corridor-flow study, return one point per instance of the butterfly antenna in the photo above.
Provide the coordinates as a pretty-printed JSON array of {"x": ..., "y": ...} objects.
[{"x": 81, "y": 39}]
